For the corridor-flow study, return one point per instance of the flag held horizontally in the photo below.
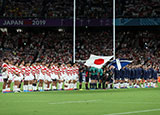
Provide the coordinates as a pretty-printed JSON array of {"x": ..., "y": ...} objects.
[
  {"x": 120, "y": 63},
  {"x": 97, "y": 61}
]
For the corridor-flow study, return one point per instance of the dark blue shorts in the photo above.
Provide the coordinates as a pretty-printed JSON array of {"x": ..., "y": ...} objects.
[{"x": 94, "y": 77}]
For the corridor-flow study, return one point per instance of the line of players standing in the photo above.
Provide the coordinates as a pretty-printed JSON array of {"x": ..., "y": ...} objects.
[
  {"x": 45, "y": 76},
  {"x": 130, "y": 76}
]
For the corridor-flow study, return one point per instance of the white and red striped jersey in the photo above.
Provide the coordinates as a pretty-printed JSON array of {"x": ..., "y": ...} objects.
[
  {"x": 57, "y": 70},
  {"x": 43, "y": 70},
  {"x": 38, "y": 69},
  {"x": 10, "y": 69},
  {"x": 17, "y": 71},
  {"x": 22, "y": 69},
  {"x": 68, "y": 70},
  {"x": 4, "y": 65},
  {"x": 53, "y": 69},
  {"x": 74, "y": 70},
  {"x": 27, "y": 71},
  {"x": 63, "y": 69},
  {"x": 48, "y": 72},
  {"x": 33, "y": 70},
  {"x": 77, "y": 70}
]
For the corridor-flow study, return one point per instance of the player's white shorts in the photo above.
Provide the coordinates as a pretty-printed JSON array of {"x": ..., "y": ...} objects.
[
  {"x": 75, "y": 77},
  {"x": 21, "y": 76},
  {"x": 36, "y": 76},
  {"x": 56, "y": 77},
  {"x": 61, "y": 77},
  {"x": 11, "y": 76},
  {"x": 65, "y": 77},
  {"x": 41, "y": 76},
  {"x": 4, "y": 75},
  {"x": 26, "y": 78},
  {"x": 17, "y": 78},
  {"x": 71, "y": 77},
  {"x": 31, "y": 77},
  {"x": 52, "y": 76},
  {"x": 48, "y": 78}
]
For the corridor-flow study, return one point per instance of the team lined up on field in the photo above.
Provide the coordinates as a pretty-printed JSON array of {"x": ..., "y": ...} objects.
[
  {"x": 45, "y": 73},
  {"x": 130, "y": 76},
  {"x": 50, "y": 76}
]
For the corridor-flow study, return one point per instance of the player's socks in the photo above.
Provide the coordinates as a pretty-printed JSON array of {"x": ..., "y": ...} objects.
[
  {"x": 80, "y": 86},
  {"x": 30, "y": 87},
  {"x": 50, "y": 86},
  {"x": 34, "y": 87},
  {"x": 72, "y": 85},
  {"x": 120, "y": 85},
  {"x": 86, "y": 86},
  {"x": 39, "y": 88},
  {"x": 60, "y": 85},
  {"x": 75, "y": 86},
  {"x": 7, "y": 89},
  {"x": 114, "y": 85},
  {"x": 99, "y": 85},
  {"x": 15, "y": 88},
  {"x": 106, "y": 86},
  {"x": 19, "y": 85},
  {"x": 3, "y": 90},
  {"x": 45, "y": 86},
  {"x": 142, "y": 85},
  {"x": 27, "y": 87},
  {"x": 68, "y": 85},
  {"x": 54, "y": 87},
  {"x": 154, "y": 85},
  {"x": 151, "y": 84},
  {"x": 109, "y": 86},
  {"x": 24, "y": 87},
  {"x": 95, "y": 85},
  {"x": 103, "y": 85},
  {"x": 91, "y": 86},
  {"x": 124, "y": 85},
  {"x": 145, "y": 84}
]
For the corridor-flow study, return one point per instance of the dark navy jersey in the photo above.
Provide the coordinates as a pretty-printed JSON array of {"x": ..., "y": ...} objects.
[{"x": 155, "y": 74}]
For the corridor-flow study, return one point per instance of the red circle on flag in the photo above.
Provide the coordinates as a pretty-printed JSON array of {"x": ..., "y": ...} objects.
[{"x": 99, "y": 61}]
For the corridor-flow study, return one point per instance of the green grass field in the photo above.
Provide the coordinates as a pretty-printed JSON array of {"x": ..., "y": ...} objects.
[{"x": 92, "y": 102}]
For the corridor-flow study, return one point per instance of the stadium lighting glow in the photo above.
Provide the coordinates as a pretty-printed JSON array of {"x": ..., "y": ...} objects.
[
  {"x": 19, "y": 30},
  {"x": 3, "y": 29},
  {"x": 60, "y": 30}
]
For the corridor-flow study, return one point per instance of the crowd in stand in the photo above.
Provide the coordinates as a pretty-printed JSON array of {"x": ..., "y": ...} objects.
[
  {"x": 86, "y": 9},
  {"x": 142, "y": 47},
  {"x": 138, "y": 8}
]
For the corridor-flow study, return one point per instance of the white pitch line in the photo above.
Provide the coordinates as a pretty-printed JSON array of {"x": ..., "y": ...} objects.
[
  {"x": 135, "y": 103},
  {"x": 67, "y": 102},
  {"x": 142, "y": 111}
]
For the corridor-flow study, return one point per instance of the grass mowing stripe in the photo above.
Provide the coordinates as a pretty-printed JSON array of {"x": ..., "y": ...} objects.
[
  {"x": 142, "y": 111},
  {"x": 135, "y": 103},
  {"x": 68, "y": 102}
]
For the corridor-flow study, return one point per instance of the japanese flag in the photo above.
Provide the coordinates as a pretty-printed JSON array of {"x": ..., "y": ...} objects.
[{"x": 97, "y": 61}]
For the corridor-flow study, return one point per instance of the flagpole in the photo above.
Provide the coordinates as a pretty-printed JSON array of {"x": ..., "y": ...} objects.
[
  {"x": 74, "y": 29},
  {"x": 114, "y": 30},
  {"x": 114, "y": 34}
]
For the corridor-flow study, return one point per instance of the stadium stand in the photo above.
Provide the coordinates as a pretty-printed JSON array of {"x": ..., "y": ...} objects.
[
  {"x": 85, "y": 9},
  {"x": 142, "y": 47},
  {"x": 138, "y": 8}
]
